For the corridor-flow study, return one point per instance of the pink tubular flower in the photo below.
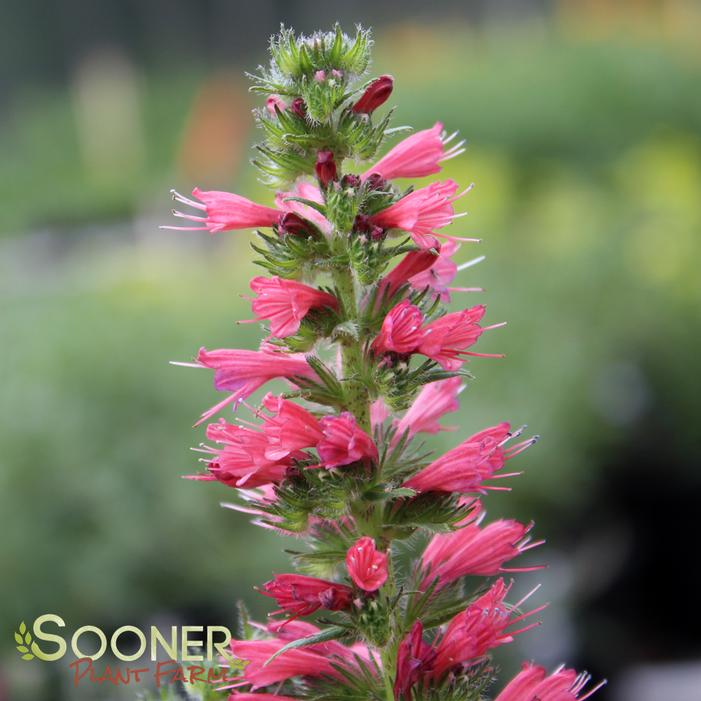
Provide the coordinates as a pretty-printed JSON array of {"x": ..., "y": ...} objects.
[
  {"x": 440, "y": 274},
  {"x": 533, "y": 684},
  {"x": 300, "y": 662},
  {"x": 447, "y": 338},
  {"x": 481, "y": 627},
  {"x": 299, "y": 595},
  {"x": 468, "y": 465},
  {"x": 286, "y": 302},
  {"x": 223, "y": 211},
  {"x": 307, "y": 191},
  {"x": 433, "y": 401},
  {"x": 376, "y": 94},
  {"x": 344, "y": 441},
  {"x": 475, "y": 551},
  {"x": 366, "y": 565},
  {"x": 412, "y": 265},
  {"x": 414, "y": 658},
  {"x": 289, "y": 428},
  {"x": 401, "y": 330},
  {"x": 416, "y": 156},
  {"x": 421, "y": 212},
  {"x": 242, "y": 372},
  {"x": 240, "y": 460}
]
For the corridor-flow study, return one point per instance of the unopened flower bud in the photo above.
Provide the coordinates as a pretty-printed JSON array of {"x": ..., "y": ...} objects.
[
  {"x": 273, "y": 102},
  {"x": 375, "y": 181},
  {"x": 375, "y": 95},
  {"x": 361, "y": 224},
  {"x": 291, "y": 223},
  {"x": 325, "y": 167},
  {"x": 350, "y": 180},
  {"x": 298, "y": 107}
]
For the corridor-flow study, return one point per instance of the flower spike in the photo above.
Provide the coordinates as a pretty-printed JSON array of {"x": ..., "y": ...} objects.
[{"x": 366, "y": 360}]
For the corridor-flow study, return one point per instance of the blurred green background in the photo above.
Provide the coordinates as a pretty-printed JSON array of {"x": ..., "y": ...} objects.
[{"x": 583, "y": 122}]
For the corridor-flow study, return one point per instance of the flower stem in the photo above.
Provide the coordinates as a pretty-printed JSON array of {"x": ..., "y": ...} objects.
[{"x": 357, "y": 394}]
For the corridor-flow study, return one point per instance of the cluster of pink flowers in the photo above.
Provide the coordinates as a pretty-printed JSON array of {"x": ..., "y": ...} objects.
[
  {"x": 444, "y": 340},
  {"x": 334, "y": 459}
]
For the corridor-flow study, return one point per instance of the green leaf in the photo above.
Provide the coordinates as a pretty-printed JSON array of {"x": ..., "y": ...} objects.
[
  {"x": 310, "y": 203},
  {"x": 330, "y": 633},
  {"x": 22, "y": 628},
  {"x": 22, "y": 648},
  {"x": 18, "y": 638}
]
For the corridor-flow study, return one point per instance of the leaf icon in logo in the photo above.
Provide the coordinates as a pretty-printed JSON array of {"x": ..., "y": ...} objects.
[{"x": 23, "y": 638}]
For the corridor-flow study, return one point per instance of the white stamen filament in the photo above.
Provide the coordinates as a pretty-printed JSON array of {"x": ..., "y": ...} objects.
[{"x": 470, "y": 263}]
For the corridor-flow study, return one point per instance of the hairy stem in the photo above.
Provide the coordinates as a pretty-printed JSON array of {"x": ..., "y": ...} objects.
[{"x": 357, "y": 395}]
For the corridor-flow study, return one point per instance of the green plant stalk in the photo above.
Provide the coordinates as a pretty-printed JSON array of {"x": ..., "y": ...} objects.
[
  {"x": 358, "y": 403},
  {"x": 356, "y": 391}
]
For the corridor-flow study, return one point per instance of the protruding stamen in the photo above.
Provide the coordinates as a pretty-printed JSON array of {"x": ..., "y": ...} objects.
[
  {"x": 470, "y": 263},
  {"x": 177, "y": 197},
  {"x": 592, "y": 691},
  {"x": 190, "y": 217}
]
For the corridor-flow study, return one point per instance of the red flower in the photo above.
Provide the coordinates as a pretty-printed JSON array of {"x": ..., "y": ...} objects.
[
  {"x": 223, "y": 211},
  {"x": 533, "y": 684},
  {"x": 468, "y": 465},
  {"x": 414, "y": 658},
  {"x": 481, "y": 627},
  {"x": 311, "y": 661},
  {"x": 422, "y": 212},
  {"x": 344, "y": 441},
  {"x": 286, "y": 302},
  {"x": 412, "y": 265},
  {"x": 292, "y": 663},
  {"x": 475, "y": 551},
  {"x": 242, "y": 372},
  {"x": 446, "y": 339},
  {"x": 401, "y": 330},
  {"x": 289, "y": 428},
  {"x": 440, "y": 274},
  {"x": 300, "y": 596},
  {"x": 433, "y": 401},
  {"x": 376, "y": 94},
  {"x": 367, "y": 566},
  {"x": 416, "y": 156},
  {"x": 240, "y": 459}
]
